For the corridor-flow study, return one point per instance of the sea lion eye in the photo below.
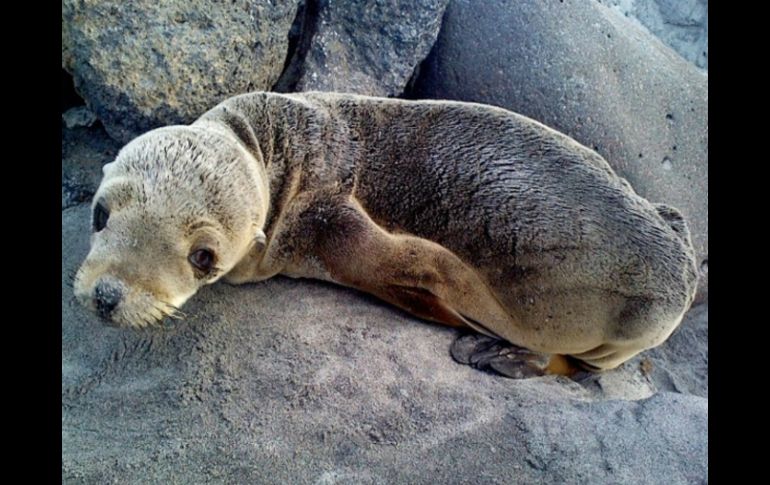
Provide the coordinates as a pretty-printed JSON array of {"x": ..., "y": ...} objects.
[
  {"x": 202, "y": 259},
  {"x": 101, "y": 214}
]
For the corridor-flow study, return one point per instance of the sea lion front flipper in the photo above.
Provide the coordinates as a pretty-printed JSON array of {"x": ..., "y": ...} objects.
[
  {"x": 424, "y": 304},
  {"x": 413, "y": 273},
  {"x": 498, "y": 356}
]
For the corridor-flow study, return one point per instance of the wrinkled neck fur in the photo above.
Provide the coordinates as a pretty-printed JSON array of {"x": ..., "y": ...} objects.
[{"x": 252, "y": 158}]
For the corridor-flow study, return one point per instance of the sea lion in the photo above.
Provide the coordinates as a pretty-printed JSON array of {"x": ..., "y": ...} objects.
[{"x": 460, "y": 213}]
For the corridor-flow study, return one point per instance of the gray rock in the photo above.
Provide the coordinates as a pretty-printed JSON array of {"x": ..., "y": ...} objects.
[
  {"x": 291, "y": 381},
  {"x": 591, "y": 73},
  {"x": 78, "y": 117},
  {"x": 145, "y": 63},
  {"x": 662, "y": 439},
  {"x": 362, "y": 47},
  {"x": 682, "y": 25}
]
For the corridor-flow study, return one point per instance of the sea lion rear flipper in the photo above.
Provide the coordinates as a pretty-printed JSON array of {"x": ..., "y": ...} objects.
[{"x": 506, "y": 359}]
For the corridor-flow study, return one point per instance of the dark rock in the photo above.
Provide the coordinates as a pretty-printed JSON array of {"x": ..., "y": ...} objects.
[
  {"x": 84, "y": 151},
  {"x": 78, "y": 117},
  {"x": 591, "y": 73},
  {"x": 144, "y": 64},
  {"x": 68, "y": 96},
  {"x": 362, "y": 47}
]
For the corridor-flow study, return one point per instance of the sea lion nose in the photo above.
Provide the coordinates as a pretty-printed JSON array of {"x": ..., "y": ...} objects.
[{"x": 107, "y": 295}]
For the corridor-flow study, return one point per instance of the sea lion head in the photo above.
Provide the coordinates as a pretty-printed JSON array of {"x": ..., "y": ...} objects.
[{"x": 176, "y": 210}]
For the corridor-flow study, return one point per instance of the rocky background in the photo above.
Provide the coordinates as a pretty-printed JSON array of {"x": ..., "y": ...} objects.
[{"x": 301, "y": 382}]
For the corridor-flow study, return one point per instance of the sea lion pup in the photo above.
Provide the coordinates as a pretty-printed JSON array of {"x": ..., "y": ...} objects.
[{"x": 460, "y": 213}]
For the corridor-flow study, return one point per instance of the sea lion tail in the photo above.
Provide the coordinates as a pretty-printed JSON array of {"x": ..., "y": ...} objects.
[
  {"x": 677, "y": 223},
  {"x": 675, "y": 220}
]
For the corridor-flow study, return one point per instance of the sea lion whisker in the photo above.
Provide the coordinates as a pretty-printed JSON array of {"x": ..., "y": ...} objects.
[
  {"x": 167, "y": 310},
  {"x": 147, "y": 320},
  {"x": 71, "y": 275},
  {"x": 175, "y": 311}
]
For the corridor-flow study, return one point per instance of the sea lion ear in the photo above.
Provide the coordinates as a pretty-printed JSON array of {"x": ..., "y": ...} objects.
[{"x": 260, "y": 240}]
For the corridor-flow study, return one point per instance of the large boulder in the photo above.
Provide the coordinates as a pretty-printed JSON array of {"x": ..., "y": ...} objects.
[
  {"x": 362, "y": 47},
  {"x": 291, "y": 381},
  {"x": 144, "y": 63},
  {"x": 682, "y": 25},
  {"x": 586, "y": 70}
]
